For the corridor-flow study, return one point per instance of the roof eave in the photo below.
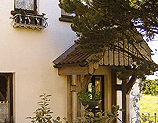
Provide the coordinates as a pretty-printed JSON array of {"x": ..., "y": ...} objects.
[{"x": 81, "y": 64}]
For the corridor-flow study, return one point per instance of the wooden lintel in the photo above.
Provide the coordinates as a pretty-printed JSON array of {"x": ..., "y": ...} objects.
[
  {"x": 130, "y": 84},
  {"x": 75, "y": 70}
]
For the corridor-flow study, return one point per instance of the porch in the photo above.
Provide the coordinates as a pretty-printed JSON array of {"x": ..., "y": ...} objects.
[{"x": 74, "y": 64}]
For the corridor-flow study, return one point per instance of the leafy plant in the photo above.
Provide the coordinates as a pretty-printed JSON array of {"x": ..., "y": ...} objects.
[
  {"x": 89, "y": 117},
  {"x": 151, "y": 87},
  {"x": 88, "y": 95},
  {"x": 43, "y": 114}
]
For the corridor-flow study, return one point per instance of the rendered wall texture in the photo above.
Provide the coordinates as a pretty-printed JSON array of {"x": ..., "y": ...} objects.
[{"x": 29, "y": 55}]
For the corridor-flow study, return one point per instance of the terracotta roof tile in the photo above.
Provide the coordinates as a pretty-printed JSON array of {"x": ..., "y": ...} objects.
[{"x": 73, "y": 55}]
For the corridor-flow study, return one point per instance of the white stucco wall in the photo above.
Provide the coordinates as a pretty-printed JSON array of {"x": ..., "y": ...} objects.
[{"x": 29, "y": 55}]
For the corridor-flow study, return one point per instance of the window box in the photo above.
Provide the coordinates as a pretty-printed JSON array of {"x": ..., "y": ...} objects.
[
  {"x": 28, "y": 20},
  {"x": 25, "y": 15}
]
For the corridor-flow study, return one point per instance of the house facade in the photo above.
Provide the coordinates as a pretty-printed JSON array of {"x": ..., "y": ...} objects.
[
  {"x": 29, "y": 43},
  {"x": 27, "y": 55}
]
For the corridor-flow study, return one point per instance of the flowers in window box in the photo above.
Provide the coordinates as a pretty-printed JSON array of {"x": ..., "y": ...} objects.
[{"x": 35, "y": 12}]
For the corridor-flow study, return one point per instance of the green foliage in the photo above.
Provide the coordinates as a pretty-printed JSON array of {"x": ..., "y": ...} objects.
[
  {"x": 151, "y": 87},
  {"x": 89, "y": 117},
  {"x": 103, "y": 25},
  {"x": 102, "y": 22},
  {"x": 43, "y": 114},
  {"x": 87, "y": 95},
  {"x": 84, "y": 95}
]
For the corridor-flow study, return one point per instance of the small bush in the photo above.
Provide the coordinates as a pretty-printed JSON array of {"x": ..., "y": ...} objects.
[
  {"x": 151, "y": 87},
  {"x": 43, "y": 114}
]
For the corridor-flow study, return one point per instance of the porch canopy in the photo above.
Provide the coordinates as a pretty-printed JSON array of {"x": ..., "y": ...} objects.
[
  {"x": 75, "y": 62},
  {"x": 75, "y": 57}
]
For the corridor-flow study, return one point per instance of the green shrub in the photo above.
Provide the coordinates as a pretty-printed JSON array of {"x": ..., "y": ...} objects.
[
  {"x": 151, "y": 87},
  {"x": 43, "y": 114}
]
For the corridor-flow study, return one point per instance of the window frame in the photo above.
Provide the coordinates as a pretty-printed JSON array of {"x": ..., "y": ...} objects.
[
  {"x": 35, "y": 7},
  {"x": 9, "y": 79},
  {"x": 66, "y": 17},
  {"x": 102, "y": 89}
]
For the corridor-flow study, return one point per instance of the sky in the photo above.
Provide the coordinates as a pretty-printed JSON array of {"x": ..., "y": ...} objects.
[{"x": 154, "y": 46}]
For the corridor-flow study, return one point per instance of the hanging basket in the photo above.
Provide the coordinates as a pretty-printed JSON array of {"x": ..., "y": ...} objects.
[{"x": 91, "y": 103}]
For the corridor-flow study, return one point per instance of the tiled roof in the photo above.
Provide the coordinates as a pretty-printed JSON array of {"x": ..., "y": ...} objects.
[{"x": 73, "y": 55}]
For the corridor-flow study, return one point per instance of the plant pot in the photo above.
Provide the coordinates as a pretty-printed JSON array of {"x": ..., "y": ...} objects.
[{"x": 91, "y": 103}]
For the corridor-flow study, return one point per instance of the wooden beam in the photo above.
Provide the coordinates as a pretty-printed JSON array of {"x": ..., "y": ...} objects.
[
  {"x": 75, "y": 70},
  {"x": 85, "y": 81},
  {"x": 69, "y": 99},
  {"x": 124, "y": 83},
  {"x": 79, "y": 78},
  {"x": 130, "y": 84},
  {"x": 114, "y": 91},
  {"x": 74, "y": 96}
]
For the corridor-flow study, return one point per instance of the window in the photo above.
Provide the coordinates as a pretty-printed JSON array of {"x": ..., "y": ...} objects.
[
  {"x": 67, "y": 17},
  {"x": 98, "y": 82},
  {"x": 25, "y": 15},
  {"x": 6, "y": 97},
  {"x": 25, "y": 5}
]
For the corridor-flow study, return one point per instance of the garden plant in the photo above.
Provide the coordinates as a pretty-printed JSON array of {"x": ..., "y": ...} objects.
[{"x": 44, "y": 114}]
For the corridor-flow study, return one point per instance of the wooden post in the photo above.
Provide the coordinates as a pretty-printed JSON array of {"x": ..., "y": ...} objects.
[
  {"x": 130, "y": 84},
  {"x": 69, "y": 99},
  {"x": 78, "y": 88},
  {"x": 74, "y": 97},
  {"x": 114, "y": 91},
  {"x": 124, "y": 83}
]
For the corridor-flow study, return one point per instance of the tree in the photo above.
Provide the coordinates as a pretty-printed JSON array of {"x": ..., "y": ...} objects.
[
  {"x": 151, "y": 87},
  {"x": 107, "y": 23}
]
